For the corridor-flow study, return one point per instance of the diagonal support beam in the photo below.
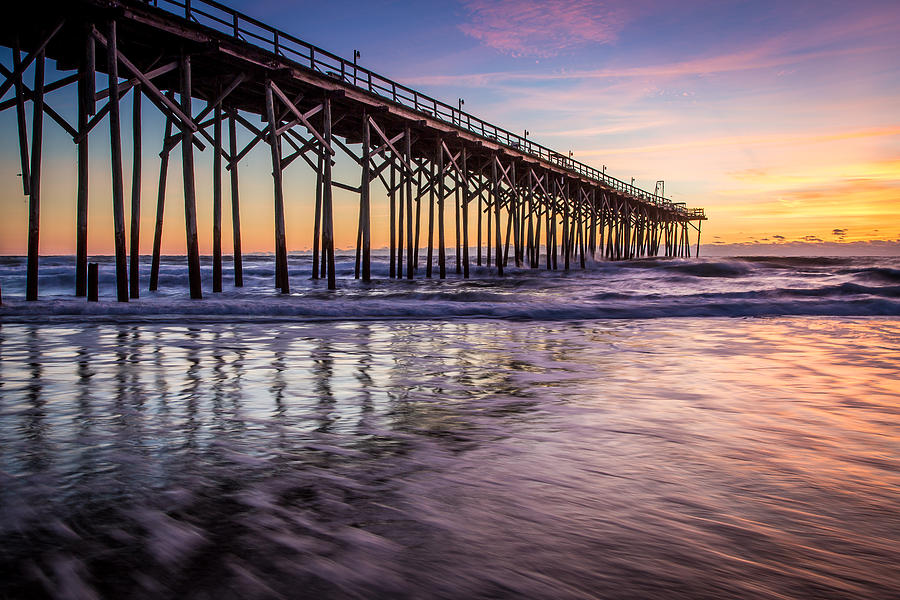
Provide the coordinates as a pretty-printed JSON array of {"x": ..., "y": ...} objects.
[
  {"x": 258, "y": 134},
  {"x": 345, "y": 186},
  {"x": 292, "y": 108},
  {"x": 358, "y": 160},
  {"x": 238, "y": 80},
  {"x": 96, "y": 119},
  {"x": 29, "y": 94},
  {"x": 390, "y": 145},
  {"x": 126, "y": 85},
  {"x": 453, "y": 158},
  {"x": 504, "y": 172},
  {"x": 20, "y": 68},
  {"x": 300, "y": 152},
  {"x": 155, "y": 95}
]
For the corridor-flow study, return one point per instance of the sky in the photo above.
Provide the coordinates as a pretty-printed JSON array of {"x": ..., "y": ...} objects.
[{"x": 781, "y": 119}]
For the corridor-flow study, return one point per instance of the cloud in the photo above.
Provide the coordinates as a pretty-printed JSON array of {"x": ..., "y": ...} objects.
[
  {"x": 637, "y": 124},
  {"x": 841, "y": 233},
  {"x": 779, "y": 237},
  {"x": 868, "y": 248},
  {"x": 544, "y": 28},
  {"x": 865, "y": 202},
  {"x": 811, "y": 238},
  {"x": 755, "y": 140}
]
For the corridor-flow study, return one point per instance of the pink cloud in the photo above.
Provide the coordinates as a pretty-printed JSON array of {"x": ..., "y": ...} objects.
[
  {"x": 764, "y": 56},
  {"x": 754, "y": 140},
  {"x": 544, "y": 28}
]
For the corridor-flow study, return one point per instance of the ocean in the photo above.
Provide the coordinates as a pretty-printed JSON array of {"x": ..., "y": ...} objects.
[{"x": 660, "y": 428}]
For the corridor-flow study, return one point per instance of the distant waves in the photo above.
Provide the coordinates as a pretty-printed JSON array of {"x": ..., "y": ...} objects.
[{"x": 650, "y": 288}]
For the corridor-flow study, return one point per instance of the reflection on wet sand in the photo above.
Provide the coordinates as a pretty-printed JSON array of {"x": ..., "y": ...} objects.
[{"x": 455, "y": 459}]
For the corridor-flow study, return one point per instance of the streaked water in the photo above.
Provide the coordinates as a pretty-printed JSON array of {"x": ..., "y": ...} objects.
[
  {"x": 745, "y": 286},
  {"x": 233, "y": 455}
]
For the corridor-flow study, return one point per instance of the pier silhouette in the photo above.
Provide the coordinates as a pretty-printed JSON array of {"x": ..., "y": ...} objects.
[{"x": 208, "y": 69}]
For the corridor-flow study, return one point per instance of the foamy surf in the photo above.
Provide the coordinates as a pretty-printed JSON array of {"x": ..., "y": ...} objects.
[{"x": 640, "y": 289}]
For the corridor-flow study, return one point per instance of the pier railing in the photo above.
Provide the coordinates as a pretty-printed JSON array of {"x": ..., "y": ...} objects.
[{"x": 228, "y": 21}]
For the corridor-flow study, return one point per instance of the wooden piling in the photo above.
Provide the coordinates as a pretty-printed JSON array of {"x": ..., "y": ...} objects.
[
  {"x": 235, "y": 205},
  {"x": 564, "y": 192},
  {"x": 478, "y": 241},
  {"x": 687, "y": 240},
  {"x": 464, "y": 181},
  {"x": 357, "y": 263},
  {"x": 441, "y": 193},
  {"x": 327, "y": 209},
  {"x": 87, "y": 79},
  {"x": 497, "y": 237},
  {"x": 537, "y": 235},
  {"x": 636, "y": 236},
  {"x": 592, "y": 240},
  {"x": 281, "y": 272},
  {"x": 456, "y": 229},
  {"x": 410, "y": 251},
  {"x": 160, "y": 208},
  {"x": 134, "y": 276},
  {"x": 118, "y": 187},
  {"x": 530, "y": 200},
  {"x": 217, "y": 198},
  {"x": 392, "y": 200},
  {"x": 364, "y": 201},
  {"x": 429, "y": 256},
  {"x": 553, "y": 226},
  {"x": 93, "y": 282},
  {"x": 190, "y": 196},
  {"x": 490, "y": 210},
  {"x": 317, "y": 215},
  {"x": 699, "y": 223},
  {"x": 515, "y": 216},
  {"x": 34, "y": 200},
  {"x": 397, "y": 185},
  {"x": 22, "y": 125},
  {"x": 510, "y": 215},
  {"x": 86, "y": 106},
  {"x": 418, "y": 227},
  {"x": 582, "y": 218}
]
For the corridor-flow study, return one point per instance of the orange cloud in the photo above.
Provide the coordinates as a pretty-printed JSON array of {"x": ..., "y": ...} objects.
[{"x": 862, "y": 209}]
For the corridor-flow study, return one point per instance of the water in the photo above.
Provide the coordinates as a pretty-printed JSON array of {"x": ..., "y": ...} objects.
[
  {"x": 260, "y": 447},
  {"x": 749, "y": 286}
]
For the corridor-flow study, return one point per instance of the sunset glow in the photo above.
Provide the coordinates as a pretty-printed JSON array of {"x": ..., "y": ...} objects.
[
  {"x": 780, "y": 120},
  {"x": 521, "y": 299}
]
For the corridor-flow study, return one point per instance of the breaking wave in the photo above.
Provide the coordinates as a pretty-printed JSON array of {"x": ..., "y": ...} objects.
[{"x": 651, "y": 288}]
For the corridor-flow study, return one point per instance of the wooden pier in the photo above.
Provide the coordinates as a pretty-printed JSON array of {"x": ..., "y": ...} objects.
[{"x": 209, "y": 69}]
